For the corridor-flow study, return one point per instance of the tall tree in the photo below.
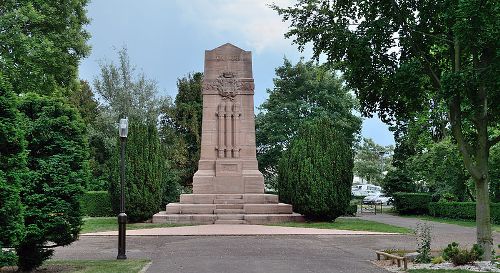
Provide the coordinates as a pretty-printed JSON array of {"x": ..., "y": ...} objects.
[
  {"x": 42, "y": 44},
  {"x": 372, "y": 160},
  {"x": 148, "y": 174},
  {"x": 58, "y": 170},
  {"x": 301, "y": 92},
  {"x": 403, "y": 57},
  {"x": 125, "y": 93},
  {"x": 181, "y": 126}
]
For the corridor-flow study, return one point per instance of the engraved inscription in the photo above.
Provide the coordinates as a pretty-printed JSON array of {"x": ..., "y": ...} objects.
[
  {"x": 227, "y": 58},
  {"x": 229, "y": 167}
]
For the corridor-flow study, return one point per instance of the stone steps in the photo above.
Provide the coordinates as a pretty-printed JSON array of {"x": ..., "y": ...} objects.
[
  {"x": 204, "y": 219},
  {"x": 227, "y": 209},
  {"x": 230, "y": 222}
]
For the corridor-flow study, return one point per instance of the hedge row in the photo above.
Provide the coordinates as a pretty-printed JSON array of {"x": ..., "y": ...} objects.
[
  {"x": 462, "y": 210},
  {"x": 411, "y": 203},
  {"x": 96, "y": 204}
]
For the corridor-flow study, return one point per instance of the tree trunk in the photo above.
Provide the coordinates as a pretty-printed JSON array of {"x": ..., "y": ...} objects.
[{"x": 483, "y": 221}]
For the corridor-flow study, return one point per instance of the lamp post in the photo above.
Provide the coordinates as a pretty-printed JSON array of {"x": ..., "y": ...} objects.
[{"x": 122, "y": 217}]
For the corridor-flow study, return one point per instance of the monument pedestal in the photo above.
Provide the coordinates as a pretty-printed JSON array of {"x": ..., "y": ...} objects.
[
  {"x": 227, "y": 209},
  {"x": 228, "y": 187}
]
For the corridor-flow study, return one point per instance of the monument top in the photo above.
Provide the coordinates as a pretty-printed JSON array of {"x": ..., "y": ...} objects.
[{"x": 228, "y": 60}]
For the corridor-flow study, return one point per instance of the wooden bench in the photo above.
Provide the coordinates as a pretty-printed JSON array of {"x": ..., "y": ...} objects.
[{"x": 393, "y": 257}]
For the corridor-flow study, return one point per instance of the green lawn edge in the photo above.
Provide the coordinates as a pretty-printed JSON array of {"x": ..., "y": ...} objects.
[
  {"x": 350, "y": 224},
  {"x": 463, "y": 223},
  {"x": 98, "y": 224},
  {"x": 89, "y": 266}
]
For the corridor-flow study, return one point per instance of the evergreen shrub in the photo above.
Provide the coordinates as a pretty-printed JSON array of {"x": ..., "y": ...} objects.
[
  {"x": 52, "y": 187},
  {"x": 411, "y": 203},
  {"x": 462, "y": 210},
  {"x": 12, "y": 164},
  {"x": 148, "y": 177},
  {"x": 315, "y": 172},
  {"x": 96, "y": 204}
]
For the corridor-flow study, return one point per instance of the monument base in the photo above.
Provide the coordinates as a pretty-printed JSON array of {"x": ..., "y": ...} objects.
[{"x": 227, "y": 209}]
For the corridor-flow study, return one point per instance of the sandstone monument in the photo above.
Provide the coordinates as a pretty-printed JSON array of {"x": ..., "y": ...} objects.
[{"x": 228, "y": 187}]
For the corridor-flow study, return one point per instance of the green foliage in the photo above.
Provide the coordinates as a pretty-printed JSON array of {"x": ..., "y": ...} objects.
[
  {"x": 125, "y": 93},
  {"x": 397, "y": 180},
  {"x": 58, "y": 170},
  {"x": 302, "y": 92},
  {"x": 181, "y": 127},
  {"x": 441, "y": 166},
  {"x": 371, "y": 161},
  {"x": 423, "y": 233},
  {"x": 411, "y": 203},
  {"x": 494, "y": 168},
  {"x": 12, "y": 164},
  {"x": 315, "y": 172},
  {"x": 462, "y": 210},
  {"x": 147, "y": 173},
  {"x": 96, "y": 204},
  {"x": 461, "y": 256},
  {"x": 437, "y": 260},
  {"x": 408, "y": 59},
  {"x": 42, "y": 44},
  {"x": 7, "y": 258},
  {"x": 351, "y": 210}
]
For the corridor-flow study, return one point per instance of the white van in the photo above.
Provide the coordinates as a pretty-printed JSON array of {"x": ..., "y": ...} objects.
[{"x": 365, "y": 190}]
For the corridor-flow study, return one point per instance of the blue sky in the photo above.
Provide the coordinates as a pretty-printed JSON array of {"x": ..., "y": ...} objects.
[{"x": 168, "y": 39}]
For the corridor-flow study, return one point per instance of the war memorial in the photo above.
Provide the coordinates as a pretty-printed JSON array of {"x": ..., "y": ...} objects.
[{"x": 228, "y": 187}]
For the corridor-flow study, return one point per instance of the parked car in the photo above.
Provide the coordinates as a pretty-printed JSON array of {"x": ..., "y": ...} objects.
[{"x": 379, "y": 198}]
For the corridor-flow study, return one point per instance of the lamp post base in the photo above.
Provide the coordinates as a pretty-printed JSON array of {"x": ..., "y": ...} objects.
[{"x": 122, "y": 225}]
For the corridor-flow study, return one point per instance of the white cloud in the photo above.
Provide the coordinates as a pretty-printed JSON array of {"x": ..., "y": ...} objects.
[{"x": 260, "y": 27}]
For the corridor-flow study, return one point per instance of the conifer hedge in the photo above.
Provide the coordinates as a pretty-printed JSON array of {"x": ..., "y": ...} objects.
[
  {"x": 315, "y": 172},
  {"x": 96, "y": 204}
]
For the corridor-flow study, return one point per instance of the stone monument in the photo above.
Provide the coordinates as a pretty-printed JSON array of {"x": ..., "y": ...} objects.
[{"x": 228, "y": 187}]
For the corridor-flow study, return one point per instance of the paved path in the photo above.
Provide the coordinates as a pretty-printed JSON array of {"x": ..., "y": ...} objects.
[
  {"x": 442, "y": 234},
  {"x": 262, "y": 253},
  {"x": 248, "y": 254},
  {"x": 209, "y": 230}
]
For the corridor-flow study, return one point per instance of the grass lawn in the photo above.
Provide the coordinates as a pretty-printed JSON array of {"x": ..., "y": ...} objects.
[
  {"x": 464, "y": 223},
  {"x": 96, "y": 224},
  {"x": 350, "y": 224},
  {"x": 89, "y": 266},
  {"x": 440, "y": 271}
]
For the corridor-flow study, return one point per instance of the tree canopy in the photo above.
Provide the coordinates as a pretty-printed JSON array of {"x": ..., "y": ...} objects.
[
  {"x": 408, "y": 57},
  {"x": 372, "y": 161},
  {"x": 301, "y": 92},
  {"x": 42, "y": 44}
]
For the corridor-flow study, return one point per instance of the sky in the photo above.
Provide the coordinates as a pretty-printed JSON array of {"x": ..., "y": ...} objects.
[{"x": 167, "y": 40}]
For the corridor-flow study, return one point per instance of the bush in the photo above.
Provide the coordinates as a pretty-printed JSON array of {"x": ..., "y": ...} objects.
[
  {"x": 462, "y": 256},
  {"x": 96, "y": 204},
  {"x": 411, "y": 203},
  {"x": 351, "y": 210},
  {"x": 12, "y": 164},
  {"x": 462, "y": 210},
  {"x": 58, "y": 170},
  {"x": 315, "y": 172}
]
